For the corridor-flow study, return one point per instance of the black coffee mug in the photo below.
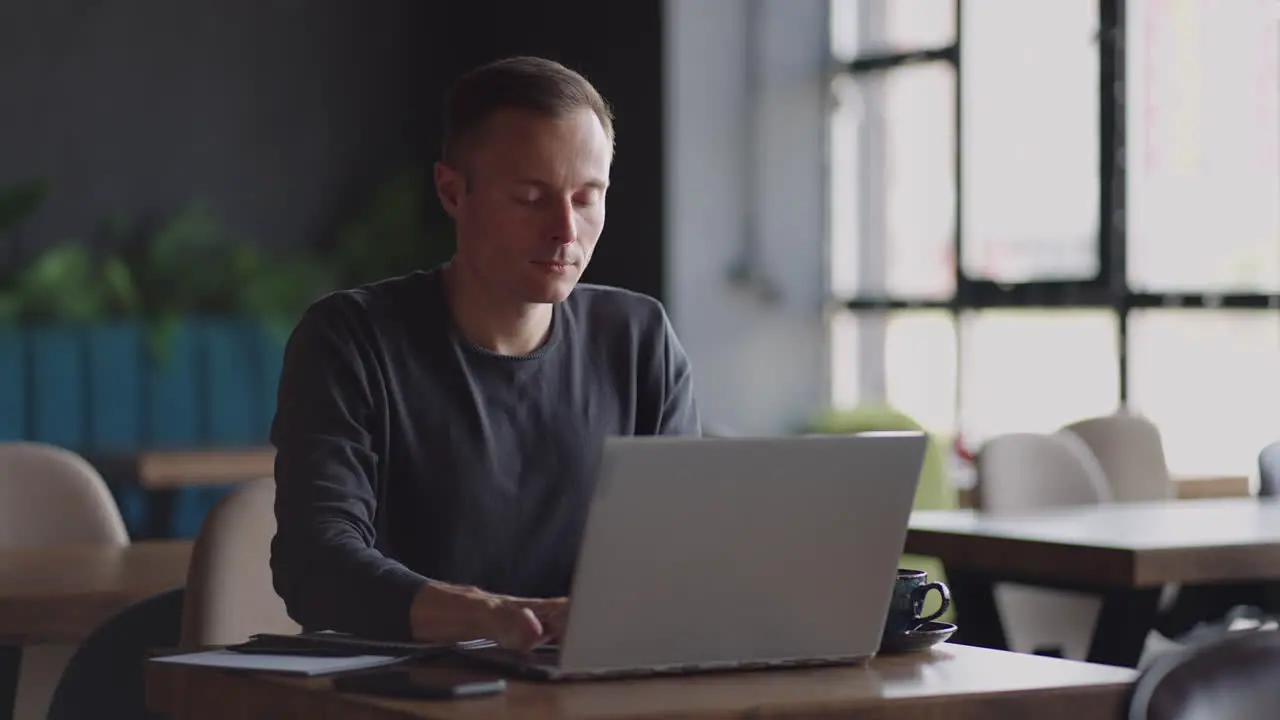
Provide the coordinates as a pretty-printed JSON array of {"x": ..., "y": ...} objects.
[{"x": 906, "y": 611}]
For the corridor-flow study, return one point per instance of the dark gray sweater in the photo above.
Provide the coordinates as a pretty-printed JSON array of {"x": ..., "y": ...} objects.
[{"x": 404, "y": 452}]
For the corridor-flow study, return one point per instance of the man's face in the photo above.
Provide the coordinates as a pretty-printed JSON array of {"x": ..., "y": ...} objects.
[{"x": 528, "y": 201}]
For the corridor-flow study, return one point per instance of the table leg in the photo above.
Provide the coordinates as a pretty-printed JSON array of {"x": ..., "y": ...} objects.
[
  {"x": 160, "y": 514},
  {"x": 1121, "y": 633},
  {"x": 977, "y": 618},
  {"x": 10, "y": 665}
]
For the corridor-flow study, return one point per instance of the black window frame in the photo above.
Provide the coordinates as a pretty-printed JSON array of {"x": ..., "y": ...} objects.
[{"x": 1109, "y": 289}]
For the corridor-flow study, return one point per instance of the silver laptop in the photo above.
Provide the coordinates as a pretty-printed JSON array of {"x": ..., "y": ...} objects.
[{"x": 707, "y": 554}]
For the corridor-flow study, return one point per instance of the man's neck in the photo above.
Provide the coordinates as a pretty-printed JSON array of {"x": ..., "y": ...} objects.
[{"x": 494, "y": 323}]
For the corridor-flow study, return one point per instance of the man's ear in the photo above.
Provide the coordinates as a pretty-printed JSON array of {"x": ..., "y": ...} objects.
[{"x": 451, "y": 185}]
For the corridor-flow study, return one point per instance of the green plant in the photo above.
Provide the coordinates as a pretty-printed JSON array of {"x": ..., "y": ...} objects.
[
  {"x": 67, "y": 284},
  {"x": 64, "y": 283},
  {"x": 187, "y": 265},
  {"x": 277, "y": 290},
  {"x": 392, "y": 235},
  {"x": 19, "y": 202},
  {"x": 190, "y": 265}
]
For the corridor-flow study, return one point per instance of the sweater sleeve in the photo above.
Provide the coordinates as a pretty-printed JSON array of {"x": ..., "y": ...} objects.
[{"x": 323, "y": 561}]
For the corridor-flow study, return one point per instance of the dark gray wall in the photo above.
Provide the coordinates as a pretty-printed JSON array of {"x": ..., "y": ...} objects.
[
  {"x": 277, "y": 112},
  {"x": 283, "y": 113}
]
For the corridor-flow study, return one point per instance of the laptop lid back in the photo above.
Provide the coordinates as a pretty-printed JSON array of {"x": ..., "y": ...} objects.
[{"x": 708, "y": 552}]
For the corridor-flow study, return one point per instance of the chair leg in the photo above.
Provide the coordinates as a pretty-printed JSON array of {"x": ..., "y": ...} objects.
[{"x": 10, "y": 667}]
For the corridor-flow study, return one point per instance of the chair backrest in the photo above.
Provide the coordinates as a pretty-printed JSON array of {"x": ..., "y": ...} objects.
[
  {"x": 1023, "y": 471},
  {"x": 229, "y": 592},
  {"x": 52, "y": 496},
  {"x": 1269, "y": 470},
  {"x": 1233, "y": 678},
  {"x": 1131, "y": 454},
  {"x": 105, "y": 676}
]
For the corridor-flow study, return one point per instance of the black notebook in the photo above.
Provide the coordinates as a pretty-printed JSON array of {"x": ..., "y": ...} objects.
[{"x": 332, "y": 644}]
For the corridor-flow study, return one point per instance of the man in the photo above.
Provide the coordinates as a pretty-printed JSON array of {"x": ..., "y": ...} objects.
[{"x": 437, "y": 433}]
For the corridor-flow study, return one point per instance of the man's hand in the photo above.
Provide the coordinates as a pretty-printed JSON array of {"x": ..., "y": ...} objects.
[
  {"x": 444, "y": 613},
  {"x": 552, "y": 613}
]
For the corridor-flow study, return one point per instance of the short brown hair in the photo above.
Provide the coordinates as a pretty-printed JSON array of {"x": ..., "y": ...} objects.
[{"x": 520, "y": 83}]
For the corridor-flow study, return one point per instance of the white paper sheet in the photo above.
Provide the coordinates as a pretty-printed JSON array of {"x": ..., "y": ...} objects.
[{"x": 287, "y": 664}]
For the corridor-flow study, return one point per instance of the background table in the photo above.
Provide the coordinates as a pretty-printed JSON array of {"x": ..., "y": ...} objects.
[
  {"x": 1124, "y": 552},
  {"x": 60, "y": 594},
  {"x": 163, "y": 472}
]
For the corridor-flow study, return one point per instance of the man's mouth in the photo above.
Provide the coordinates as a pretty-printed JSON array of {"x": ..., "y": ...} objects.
[{"x": 553, "y": 266}]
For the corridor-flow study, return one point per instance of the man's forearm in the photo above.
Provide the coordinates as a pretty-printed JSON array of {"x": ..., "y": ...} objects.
[{"x": 340, "y": 584}]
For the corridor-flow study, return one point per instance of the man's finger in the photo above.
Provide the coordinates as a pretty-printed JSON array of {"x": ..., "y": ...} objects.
[
  {"x": 553, "y": 613},
  {"x": 533, "y": 601},
  {"x": 517, "y": 628},
  {"x": 532, "y": 622},
  {"x": 543, "y": 607},
  {"x": 555, "y": 619}
]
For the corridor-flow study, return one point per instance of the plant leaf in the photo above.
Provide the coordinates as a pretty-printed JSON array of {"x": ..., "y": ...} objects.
[
  {"x": 19, "y": 202},
  {"x": 119, "y": 286}
]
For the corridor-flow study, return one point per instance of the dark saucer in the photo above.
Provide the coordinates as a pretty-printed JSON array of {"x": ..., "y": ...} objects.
[{"x": 925, "y": 636}]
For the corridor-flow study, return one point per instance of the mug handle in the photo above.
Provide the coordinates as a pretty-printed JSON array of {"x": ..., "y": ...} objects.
[{"x": 918, "y": 597}]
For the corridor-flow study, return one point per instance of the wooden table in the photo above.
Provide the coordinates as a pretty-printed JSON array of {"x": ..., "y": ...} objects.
[
  {"x": 1125, "y": 552},
  {"x": 1212, "y": 486},
  {"x": 163, "y": 472},
  {"x": 1192, "y": 487},
  {"x": 168, "y": 469},
  {"x": 60, "y": 594},
  {"x": 952, "y": 681}
]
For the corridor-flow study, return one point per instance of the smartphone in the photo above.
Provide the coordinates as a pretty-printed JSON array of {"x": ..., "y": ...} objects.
[{"x": 421, "y": 683}]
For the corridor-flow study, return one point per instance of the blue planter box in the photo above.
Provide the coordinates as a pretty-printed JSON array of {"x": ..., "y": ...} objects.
[
  {"x": 13, "y": 384},
  {"x": 96, "y": 389},
  {"x": 58, "y": 382},
  {"x": 116, "y": 369}
]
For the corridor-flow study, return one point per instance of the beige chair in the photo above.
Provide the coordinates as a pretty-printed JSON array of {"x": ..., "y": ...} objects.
[
  {"x": 1024, "y": 471},
  {"x": 229, "y": 593},
  {"x": 1131, "y": 454},
  {"x": 51, "y": 496}
]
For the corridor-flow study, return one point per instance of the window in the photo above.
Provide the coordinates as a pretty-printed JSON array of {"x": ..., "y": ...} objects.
[
  {"x": 920, "y": 366},
  {"x": 847, "y": 388},
  {"x": 1030, "y": 139},
  {"x": 1041, "y": 212},
  {"x": 869, "y": 27},
  {"x": 906, "y": 358},
  {"x": 1210, "y": 380},
  {"x": 1036, "y": 370},
  {"x": 893, "y": 133},
  {"x": 1204, "y": 128}
]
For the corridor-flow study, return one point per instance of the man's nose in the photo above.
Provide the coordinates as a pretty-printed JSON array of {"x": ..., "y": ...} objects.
[{"x": 564, "y": 223}]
